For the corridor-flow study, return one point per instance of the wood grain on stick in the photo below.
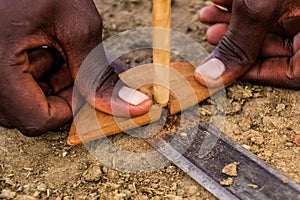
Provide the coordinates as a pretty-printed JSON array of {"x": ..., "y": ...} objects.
[{"x": 161, "y": 49}]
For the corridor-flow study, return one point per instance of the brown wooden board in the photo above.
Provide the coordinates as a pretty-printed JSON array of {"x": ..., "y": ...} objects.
[
  {"x": 185, "y": 90},
  {"x": 90, "y": 124}
]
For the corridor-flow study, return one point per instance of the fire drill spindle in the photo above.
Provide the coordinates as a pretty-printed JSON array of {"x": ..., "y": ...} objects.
[{"x": 161, "y": 50}]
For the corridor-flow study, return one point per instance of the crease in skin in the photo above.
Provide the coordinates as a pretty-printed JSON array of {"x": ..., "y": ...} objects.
[
  {"x": 241, "y": 55},
  {"x": 105, "y": 76},
  {"x": 288, "y": 44},
  {"x": 290, "y": 73}
]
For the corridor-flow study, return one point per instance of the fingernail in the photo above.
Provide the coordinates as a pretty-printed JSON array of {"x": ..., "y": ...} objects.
[
  {"x": 132, "y": 96},
  {"x": 213, "y": 68}
]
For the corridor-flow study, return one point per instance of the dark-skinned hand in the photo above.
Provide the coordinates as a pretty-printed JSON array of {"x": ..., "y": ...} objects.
[
  {"x": 43, "y": 44},
  {"x": 257, "y": 41}
]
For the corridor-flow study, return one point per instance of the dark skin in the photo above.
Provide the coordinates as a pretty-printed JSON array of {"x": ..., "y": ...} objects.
[
  {"x": 37, "y": 82},
  {"x": 257, "y": 41}
]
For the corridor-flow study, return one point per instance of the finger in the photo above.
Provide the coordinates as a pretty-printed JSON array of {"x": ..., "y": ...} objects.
[
  {"x": 87, "y": 61},
  {"x": 26, "y": 106},
  {"x": 47, "y": 65},
  {"x": 239, "y": 48},
  {"x": 215, "y": 33},
  {"x": 291, "y": 26},
  {"x": 37, "y": 114},
  {"x": 118, "y": 107},
  {"x": 45, "y": 88},
  {"x": 296, "y": 44},
  {"x": 97, "y": 81},
  {"x": 43, "y": 60},
  {"x": 60, "y": 79},
  {"x": 288, "y": 28},
  {"x": 73, "y": 97},
  {"x": 213, "y": 15},
  {"x": 108, "y": 98},
  {"x": 279, "y": 72},
  {"x": 277, "y": 46}
]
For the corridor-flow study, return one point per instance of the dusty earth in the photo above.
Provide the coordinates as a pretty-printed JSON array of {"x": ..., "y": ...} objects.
[{"x": 263, "y": 119}]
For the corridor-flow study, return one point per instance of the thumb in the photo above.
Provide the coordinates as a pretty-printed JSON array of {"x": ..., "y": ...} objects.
[{"x": 239, "y": 48}]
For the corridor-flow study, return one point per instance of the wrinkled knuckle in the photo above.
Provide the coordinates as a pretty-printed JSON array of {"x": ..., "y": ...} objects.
[{"x": 229, "y": 51}]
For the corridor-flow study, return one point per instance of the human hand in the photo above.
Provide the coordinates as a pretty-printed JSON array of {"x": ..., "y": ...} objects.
[
  {"x": 257, "y": 41},
  {"x": 42, "y": 48}
]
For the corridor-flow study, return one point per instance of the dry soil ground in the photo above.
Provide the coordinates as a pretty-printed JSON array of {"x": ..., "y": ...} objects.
[{"x": 263, "y": 119}]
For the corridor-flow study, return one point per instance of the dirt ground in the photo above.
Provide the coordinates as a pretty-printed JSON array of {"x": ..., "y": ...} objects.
[{"x": 263, "y": 119}]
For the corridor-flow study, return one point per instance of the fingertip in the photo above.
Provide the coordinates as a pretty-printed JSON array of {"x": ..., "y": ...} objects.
[
  {"x": 215, "y": 33},
  {"x": 141, "y": 108},
  {"x": 132, "y": 96},
  {"x": 127, "y": 103},
  {"x": 212, "y": 14},
  {"x": 210, "y": 73},
  {"x": 139, "y": 103},
  {"x": 203, "y": 14}
]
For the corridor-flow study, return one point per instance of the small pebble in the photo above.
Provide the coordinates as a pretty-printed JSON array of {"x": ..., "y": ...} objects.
[
  {"x": 258, "y": 140},
  {"x": 297, "y": 140},
  {"x": 280, "y": 107},
  {"x": 64, "y": 154},
  {"x": 192, "y": 190},
  {"x": 113, "y": 186},
  {"x": 227, "y": 182},
  {"x": 36, "y": 194},
  {"x": 93, "y": 173},
  {"x": 7, "y": 194},
  {"x": 231, "y": 169},
  {"x": 285, "y": 180},
  {"x": 41, "y": 187},
  {"x": 183, "y": 134}
]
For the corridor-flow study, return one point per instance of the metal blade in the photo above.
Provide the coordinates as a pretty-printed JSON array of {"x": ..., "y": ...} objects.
[{"x": 205, "y": 166}]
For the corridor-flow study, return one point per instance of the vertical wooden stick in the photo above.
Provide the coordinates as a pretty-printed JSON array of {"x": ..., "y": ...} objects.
[{"x": 161, "y": 49}]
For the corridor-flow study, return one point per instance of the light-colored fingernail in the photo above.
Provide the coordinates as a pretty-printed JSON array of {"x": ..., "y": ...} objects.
[
  {"x": 132, "y": 96},
  {"x": 213, "y": 68}
]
